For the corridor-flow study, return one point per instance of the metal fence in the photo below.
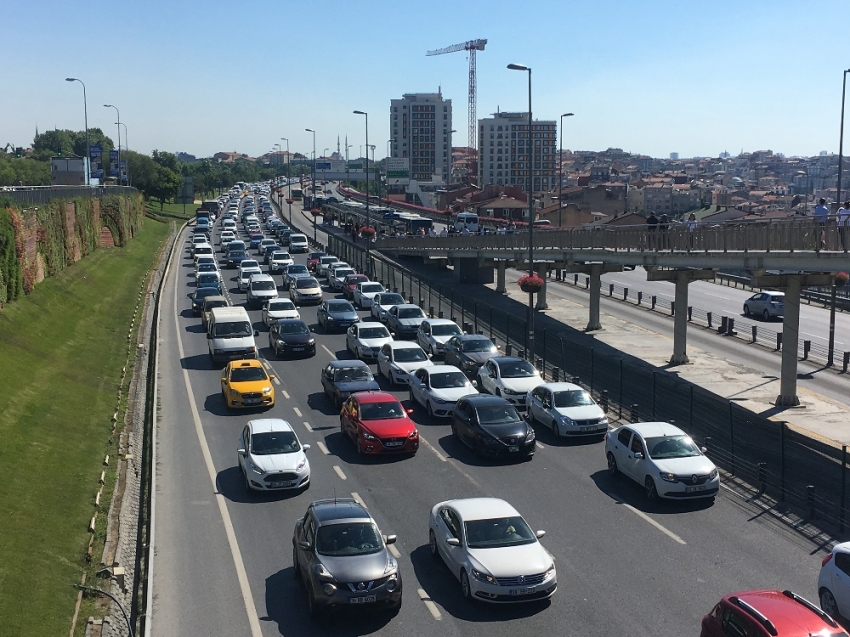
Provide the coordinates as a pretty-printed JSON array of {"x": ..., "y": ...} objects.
[
  {"x": 40, "y": 195},
  {"x": 773, "y": 458}
]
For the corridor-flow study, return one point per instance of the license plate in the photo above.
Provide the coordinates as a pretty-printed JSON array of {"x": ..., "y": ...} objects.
[
  {"x": 281, "y": 484},
  {"x": 522, "y": 591},
  {"x": 513, "y": 449},
  {"x": 362, "y": 600},
  {"x": 252, "y": 401},
  {"x": 693, "y": 489},
  {"x": 395, "y": 444},
  {"x": 297, "y": 349},
  {"x": 587, "y": 429}
]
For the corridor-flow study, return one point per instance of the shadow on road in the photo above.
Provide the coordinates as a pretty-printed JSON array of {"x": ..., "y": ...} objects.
[
  {"x": 624, "y": 490},
  {"x": 231, "y": 484},
  {"x": 198, "y": 361},
  {"x": 343, "y": 447},
  {"x": 320, "y": 402}
]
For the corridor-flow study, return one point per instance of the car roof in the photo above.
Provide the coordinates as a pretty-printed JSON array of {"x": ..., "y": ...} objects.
[
  {"x": 217, "y": 297},
  {"x": 348, "y": 363},
  {"x": 472, "y": 337},
  {"x": 404, "y": 345},
  {"x": 407, "y": 306},
  {"x": 365, "y": 397},
  {"x": 485, "y": 400},
  {"x": 501, "y": 360},
  {"x": 331, "y": 510},
  {"x": 782, "y": 612},
  {"x": 246, "y": 362},
  {"x": 555, "y": 387},
  {"x": 439, "y": 321},
  {"x": 267, "y": 425},
  {"x": 363, "y": 324},
  {"x": 482, "y": 508},
  {"x": 653, "y": 429},
  {"x": 436, "y": 369}
]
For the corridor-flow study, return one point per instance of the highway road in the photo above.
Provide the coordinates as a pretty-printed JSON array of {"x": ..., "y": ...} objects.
[{"x": 223, "y": 556}]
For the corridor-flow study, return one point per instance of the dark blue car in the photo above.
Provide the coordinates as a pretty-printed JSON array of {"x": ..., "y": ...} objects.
[
  {"x": 235, "y": 257},
  {"x": 340, "y": 379}
]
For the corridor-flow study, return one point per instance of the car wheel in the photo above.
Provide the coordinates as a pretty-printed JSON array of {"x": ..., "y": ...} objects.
[
  {"x": 296, "y": 570},
  {"x": 651, "y": 491},
  {"x": 612, "y": 465},
  {"x": 312, "y": 607},
  {"x": 248, "y": 486},
  {"x": 430, "y": 410},
  {"x": 554, "y": 424},
  {"x": 746, "y": 310},
  {"x": 465, "y": 588},
  {"x": 348, "y": 347},
  {"x": 411, "y": 399},
  {"x": 498, "y": 392},
  {"x": 432, "y": 544},
  {"x": 360, "y": 444},
  {"x": 828, "y": 603},
  {"x": 766, "y": 315}
]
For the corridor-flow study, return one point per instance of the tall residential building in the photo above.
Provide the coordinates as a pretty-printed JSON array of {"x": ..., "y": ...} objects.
[
  {"x": 504, "y": 151},
  {"x": 420, "y": 127}
]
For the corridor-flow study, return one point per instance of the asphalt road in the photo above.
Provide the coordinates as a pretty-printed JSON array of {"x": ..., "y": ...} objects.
[{"x": 223, "y": 556}]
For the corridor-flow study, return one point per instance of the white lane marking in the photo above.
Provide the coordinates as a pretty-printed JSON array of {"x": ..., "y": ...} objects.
[
  {"x": 321, "y": 445},
  {"x": 324, "y": 347},
  {"x": 241, "y": 574},
  {"x": 357, "y": 497},
  {"x": 643, "y": 515},
  {"x": 307, "y": 425},
  {"x": 276, "y": 381},
  {"x": 431, "y": 606},
  {"x": 340, "y": 473},
  {"x": 297, "y": 412},
  {"x": 285, "y": 394},
  {"x": 541, "y": 445},
  {"x": 396, "y": 553},
  {"x": 428, "y": 444}
]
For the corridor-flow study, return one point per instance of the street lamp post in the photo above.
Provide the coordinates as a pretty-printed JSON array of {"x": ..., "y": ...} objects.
[
  {"x": 127, "y": 149},
  {"x": 119, "y": 138},
  {"x": 310, "y": 130},
  {"x": 368, "y": 216},
  {"x": 560, "y": 162},
  {"x": 377, "y": 172},
  {"x": 841, "y": 138},
  {"x": 530, "y": 348},
  {"x": 277, "y": 162},
  {"x": 288, "y": 178},
  {"x": 86, "y": 115}
]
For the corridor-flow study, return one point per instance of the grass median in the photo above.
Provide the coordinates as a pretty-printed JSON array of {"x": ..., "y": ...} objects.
[{"x": 61, "y": 353}]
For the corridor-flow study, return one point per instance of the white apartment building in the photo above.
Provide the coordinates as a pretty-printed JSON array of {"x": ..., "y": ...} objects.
[
  {"x": 420, "y": 128},
  {"x": 505, "y": 151}
]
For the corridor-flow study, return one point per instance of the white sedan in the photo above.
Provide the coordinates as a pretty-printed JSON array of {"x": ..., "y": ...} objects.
[
  {"x": 434, "y": 333},
  {"x": 438, "y": 388},
  {"x": 566, "y": 409},
  {"x": 226, "y": 237},
  {"x": 333, "y": 267},
  {"x": 338, "y": 280},
  {"x": 663, "y": 459},
  {"x": 365, "y": 292},
  {"x": 398, "y": 359},
  {"x": 381, "y": 304},
  {"x": 277, "y": 309},
  {"x": 490, "y": 548},
  {"x": 365, "y": 340},
  {"x": 509, "y": 377},
  {"x": 271, "y": 457},
  {"x": 247, "y": 268}
]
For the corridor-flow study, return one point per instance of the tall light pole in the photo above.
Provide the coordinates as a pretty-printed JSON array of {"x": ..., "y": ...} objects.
[
  {"x": 347, "y": 146},
  {"x": 277, "y": 161},
  {"x": 530, "y": 186},
  {"x": 560, "y": 161},
  {"x": 368, "y": 216},
  {"x": 86, "y": 116},
  {"x": 126, "y": 148},
  {"x": 841, "y": 138},
  {"x": 310, "y": 130},
  {"x": 119, "y": 138},
  {"x": 288, "y": 178}
]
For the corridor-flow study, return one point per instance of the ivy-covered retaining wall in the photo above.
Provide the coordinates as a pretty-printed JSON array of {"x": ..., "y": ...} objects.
[{"x": 38, "y": 242}]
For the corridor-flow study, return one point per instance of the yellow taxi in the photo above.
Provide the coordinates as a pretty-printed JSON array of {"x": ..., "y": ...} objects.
[{"x": 245, "y": 383}]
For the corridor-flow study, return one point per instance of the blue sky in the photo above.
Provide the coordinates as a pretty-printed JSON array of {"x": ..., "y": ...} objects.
[{"x": 653, "y": 76}]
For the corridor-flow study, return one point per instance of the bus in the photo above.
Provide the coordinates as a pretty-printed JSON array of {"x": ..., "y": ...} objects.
[
  {"x": 297, "y": 194},
  {"x": 411, "y": 224}
]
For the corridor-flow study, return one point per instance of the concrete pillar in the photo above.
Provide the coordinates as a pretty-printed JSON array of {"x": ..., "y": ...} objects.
[
  {"x": 595, "y": 291},
  {"x": 501, "y": 266},
  {"x": 541, "y": 296},
  {"x": 680, "y": 320},
  {"x": 790, "y": 335}
]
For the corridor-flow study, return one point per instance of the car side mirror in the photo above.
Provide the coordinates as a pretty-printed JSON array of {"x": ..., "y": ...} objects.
[
  {"x": 475, "y": 383},
  {"x": 409, "y": 411},
  {"x": 703, "y": 449},
  {"x": 209, "y": 336},
  {"x": 391, "y": 539},
  {"x": 271, "y": 376},
  {"x": 539, "y": 534},
  {"x": 304, "y": 545},
  {"x": 189, "y": 295},
  {"x": 453, "y": 541},
  {"x": 256, "y": 332},
  {"x": 638, "y": 455},
  {"x": 242, "y": 451},
  {"x": 305, "y": 447}
]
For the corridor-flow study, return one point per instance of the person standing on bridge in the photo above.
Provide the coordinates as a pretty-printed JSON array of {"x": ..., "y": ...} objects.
[
  {"x": 844, "y": 224},
  {"x": 691, "y": 224},
  {"x": 444, "y": 233},
  {"x": 821, "y": 215},
  {"x": 651, "y": 229}
]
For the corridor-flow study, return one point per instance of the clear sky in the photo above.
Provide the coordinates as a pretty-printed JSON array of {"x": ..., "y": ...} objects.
[{"x": 650, "y": 76}]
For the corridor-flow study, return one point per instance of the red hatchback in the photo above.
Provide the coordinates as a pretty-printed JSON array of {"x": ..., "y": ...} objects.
[
  {"x": 378, "y": 423},
  {"x": 768, "y": 614},
  {"x": 350, "y": 282},
  {"x": 313, "y": 259}
]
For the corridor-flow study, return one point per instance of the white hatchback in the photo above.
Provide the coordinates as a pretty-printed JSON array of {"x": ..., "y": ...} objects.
[
  {"x": 509, "y": 377},
  {"x": 397, "y": 360},
  {"x": 365, "y": 340},
  {"x": 434, "y": 333},
  {"x": 438, "y": 388},
  {"x": 834, "y": 581},
  {"x": 271, "y": 457},
  {"x": 277, "y": 309},
  {"x": 247, "y": 269}
]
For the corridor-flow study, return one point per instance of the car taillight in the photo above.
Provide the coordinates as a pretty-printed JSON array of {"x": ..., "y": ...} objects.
[{"x": 825, "y": 560}]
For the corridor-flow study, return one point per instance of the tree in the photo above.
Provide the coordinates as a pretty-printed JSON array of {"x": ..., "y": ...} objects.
[
  {"x": 167, "y": 160},
  {"x": 166, "y": 185}
]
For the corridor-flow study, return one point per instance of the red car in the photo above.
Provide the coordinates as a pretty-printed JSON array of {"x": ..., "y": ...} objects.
[
  {"x": 350, "y": 282},
  {"x": 378, "y": 423},
  {"x": 313, "y": 259},
  {"x": 768, "y": 613}
]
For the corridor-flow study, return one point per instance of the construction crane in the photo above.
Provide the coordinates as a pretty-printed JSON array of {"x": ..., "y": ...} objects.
[{"x": 472, "y": 46}]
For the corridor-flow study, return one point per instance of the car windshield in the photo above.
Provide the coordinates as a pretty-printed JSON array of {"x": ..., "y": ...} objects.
[
  {"x": 445, "y": 380},
  {"x": 410, "y": 355},
  {"x": 297, "y": 238},
  {"x": 410, "y": 312},
  {"x": 206, "y": 267},
  {"x": 250, "y": 263},
  {"x": 339, "y": 307},
  {"x": 354, "y": 280},
  {"x": 317, "y": 255},
  {"x": 381, "y": 411},
  {"x": 517, "y": 369},
  {"x": 445, "y": 330},
  {"x": 307, "y": 282},
  {"x": 293, "y": 328},
  {"x": 281, "y": 306},
  {"x": 374, "y": 332},
  {"x": 263, "y": 285},
  {"x": 343, "y": 272},
  {"x": 572, "y": 398},
  {"x": 273, "y": 442},
  {"x": 237, "y": 254},
  {"x": 497, "y": 414},
  {"x": 352, "y": 374},
  {"x": 671, "y": 447},
  {"x": 498, "y": 532},
  {"x": 247, "y": 374},
  {"x": 209, "y": 305},
  {"x": 200, "y": 293},
  {"x": 233, "y": 329},
  {"x": 476, "y": 345},
  {"x": 348, "y": 538},
  {"x": 329, "y": 260},
  {"x": 391, "y": 299},
  {"x": 294, "y": 269},
  {"x": 279, "y": 256},
  {"x": 372, "y": 287}
]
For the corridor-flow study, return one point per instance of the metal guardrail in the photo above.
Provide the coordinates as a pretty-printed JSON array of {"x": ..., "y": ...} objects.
[{"x": 34, "y": 195}]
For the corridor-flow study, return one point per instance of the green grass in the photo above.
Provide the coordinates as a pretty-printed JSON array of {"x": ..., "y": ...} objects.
[
  {"x": 171, "y": 210},
  {"x": 61, "y": 353}
]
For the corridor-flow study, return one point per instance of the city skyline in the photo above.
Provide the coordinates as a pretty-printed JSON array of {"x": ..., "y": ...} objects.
[{"x": 650, "y": 79}]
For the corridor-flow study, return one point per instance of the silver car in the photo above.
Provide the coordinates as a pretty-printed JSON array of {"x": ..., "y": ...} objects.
[{"x": 766, "y": 305}]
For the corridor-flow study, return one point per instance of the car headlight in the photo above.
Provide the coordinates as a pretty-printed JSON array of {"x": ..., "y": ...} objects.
[
  {"x": 439, "y": 401},
  {"x": 312, "y": 341},
  {"x": 668, "y": 477},
  {"x": 392, "y": 565},
  {"x": 367, "y": 435},
  {"x": 512, "y": 392},
  {"x": 255, "y": 468},
  {"x": 251, "y": 349},
  {"x": 301, "y": 466},
  {"x": 329, "y": 590},
  {"x": 530, "y": 435},
  {"x": 267, "y": 390},
  {"x": 234, "y": 393},
  {"x": 713, "y": 474},
  {"x": 330, "y": 318},
  {"x": 413, "y": 434},
  {"x": 469, "y": 364},
  {"x": 483, "y": 577},
  {"x": 550, "y": 572},
  {"x": 567, "y": 421},
  {"x": 603, "y": 420}
]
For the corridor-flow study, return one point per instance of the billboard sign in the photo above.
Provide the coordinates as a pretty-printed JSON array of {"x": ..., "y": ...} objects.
[
  {"x": 123, "y": 172},
  {"x": 330, "y": 166},
  {"x": 113, "y": 163},
  {"x": 323, "y": 165},
  {"x": 187, "y": 192},
  {"x": 96, "y": 161},
  {"x": 398, "y": 170}
]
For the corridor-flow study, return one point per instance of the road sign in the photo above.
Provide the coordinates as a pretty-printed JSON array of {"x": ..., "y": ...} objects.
[
  {"x": 187, "y": 192},
  {"x": 398, "y": 170}
]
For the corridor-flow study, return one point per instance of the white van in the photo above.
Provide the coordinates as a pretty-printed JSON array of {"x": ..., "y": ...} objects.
[
  {"x": 229, "y": 334},
  {"x": 468, "y": 220},
  {"x": 298, "y": 243}
]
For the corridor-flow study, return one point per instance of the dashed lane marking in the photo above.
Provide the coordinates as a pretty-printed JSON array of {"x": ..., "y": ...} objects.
[
  {"x": 396, "y": 553},
  {"x": 643, "y": 515},
  {"x": 430, "y": 605},
  {"x": 340, "y": 473},
  {"x": 285, "y": 394},
  {"x": 357, "y": 497},
  {"x": 297, "y": 412},
  {"x": 276, "y": 381},
  {"x": 307, "y": 425},
  {"x": 324, "y": 449},
  {"x": 324, "y": 347},
  {"x": 431, "y": 447}
]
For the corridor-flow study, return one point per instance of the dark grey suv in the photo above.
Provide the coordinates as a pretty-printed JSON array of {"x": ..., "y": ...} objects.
[{"x": 341, "y": 557}]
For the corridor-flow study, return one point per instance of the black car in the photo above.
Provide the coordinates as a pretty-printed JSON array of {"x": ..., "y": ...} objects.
[
  {"x": 468, "y": 352},
  {"x": 492, "y": 427},
  {"x": 342, "y": 378},
  {"x": 336, "y": 315},
  {"x": 291, "y": 337},
  {"x": 267, "y": 251},
  {"x": 235, "y": 257},
  {"x": 198, "y": 297}
]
